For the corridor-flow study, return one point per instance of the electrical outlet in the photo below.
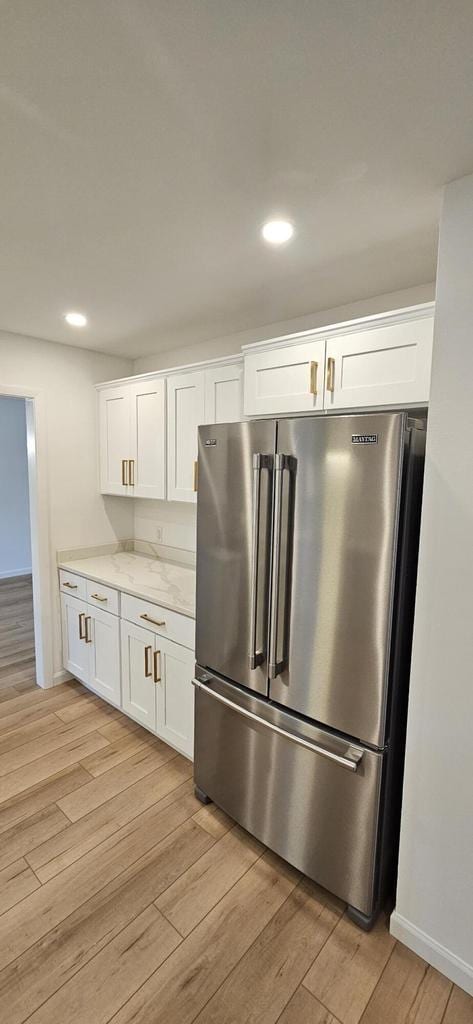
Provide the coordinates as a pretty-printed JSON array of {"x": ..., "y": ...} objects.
[{"x": 159, "y": 534}]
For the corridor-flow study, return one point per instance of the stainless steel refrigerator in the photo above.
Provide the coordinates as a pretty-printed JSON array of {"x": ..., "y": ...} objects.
[{"x": 307, "y": 534}]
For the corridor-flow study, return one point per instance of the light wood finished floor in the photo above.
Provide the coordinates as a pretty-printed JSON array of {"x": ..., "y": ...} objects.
[{"x": 123, "y": 899}]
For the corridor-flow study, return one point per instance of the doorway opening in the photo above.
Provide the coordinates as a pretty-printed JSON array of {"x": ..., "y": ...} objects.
[
  {"x": 17, "y": 645},
  {"x": 26, "y": 620}
]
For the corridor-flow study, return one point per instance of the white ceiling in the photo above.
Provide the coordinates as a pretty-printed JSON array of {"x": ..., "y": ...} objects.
[{"x": 143, "y": 142}]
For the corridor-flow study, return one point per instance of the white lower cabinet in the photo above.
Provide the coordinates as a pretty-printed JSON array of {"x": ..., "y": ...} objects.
[
  {"x": 75, "y": 650},
  {"x": 157, "y": 686},
  {"x": 138, "y": 686},
  {"x": 136, "y": 668},
  {"x": 103, "y": 637},
  {"x": 91, "y": 647},
  {"x": 175, "y": 695}
]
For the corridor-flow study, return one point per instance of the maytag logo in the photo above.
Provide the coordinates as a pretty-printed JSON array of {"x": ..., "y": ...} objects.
[
  {"x": 364, "y": 438},
  {"x": 210, "y": 442}
]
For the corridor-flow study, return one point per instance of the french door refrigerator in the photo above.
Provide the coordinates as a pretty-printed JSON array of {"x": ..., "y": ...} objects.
[{"x": 307, "y": 533}]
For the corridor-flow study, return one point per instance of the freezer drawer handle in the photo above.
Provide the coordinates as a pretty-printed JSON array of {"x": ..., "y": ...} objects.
[
  {"x": 260, "y": 462},
  {"x": 350, "y": 761}
]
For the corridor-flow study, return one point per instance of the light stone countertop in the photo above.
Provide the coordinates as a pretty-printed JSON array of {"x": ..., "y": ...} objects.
[{"x": 166, "y": 583}]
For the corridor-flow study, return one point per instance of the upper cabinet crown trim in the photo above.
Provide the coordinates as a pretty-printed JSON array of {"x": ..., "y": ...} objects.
[
  {"x": 153, "y": 374},
  {"x": 365, "y": 323}
]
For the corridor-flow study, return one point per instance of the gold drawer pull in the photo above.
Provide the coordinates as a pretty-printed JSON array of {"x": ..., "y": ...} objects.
[
  {"x": 72, "y": 586},
  {"x": 196, "y": 476},
  {"x": 98, "y": 597},
  {"x": 125, "y": 472},
  {"x": 157, "y": 672},
  {"x": 156, "y": 622},
  {"x": 88, "y": 638},
  {"x": 331, "y": 374},
  {"x": 148, "y": 671},
  {"x": 313, "y": 378},
  {"x": 131, "y": 472},
  {"x": 82, "y": 626}
]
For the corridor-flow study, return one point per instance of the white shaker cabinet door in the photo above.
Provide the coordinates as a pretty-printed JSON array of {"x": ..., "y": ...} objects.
[
  {"x": 175, "y": 695},
  {"x": 286, "y": 379},
  {"x": 75, "y": 649},
  {"x": 138, "y": 685},
  {"x": 103, "y": 639},
  {"x": 115, "y": 440},
  {"x": 186, "y": 411},
  {"x": 148, "y": 438},
  {"x": 224, "y": 393},
  {"x": 387, "y": 365}
]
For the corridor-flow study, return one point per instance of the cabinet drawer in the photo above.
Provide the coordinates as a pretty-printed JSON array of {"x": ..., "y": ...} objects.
[
  {"x": 103, "y": 597},
  {"x": 69, "y": 583},
  {"x": 177, "y": 627}
]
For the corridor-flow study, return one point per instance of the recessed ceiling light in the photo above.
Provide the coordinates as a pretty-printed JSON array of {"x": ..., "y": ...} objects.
[
  {"x": 76, "y": 319},
  {"x": 277, "y": 231}
]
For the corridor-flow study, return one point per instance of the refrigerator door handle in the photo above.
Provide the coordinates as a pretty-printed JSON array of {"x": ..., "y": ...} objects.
[
  {"x": 281, "y": 462},
  {"x": 260, "y": 462},
  {"x": 350, "y": 760}
]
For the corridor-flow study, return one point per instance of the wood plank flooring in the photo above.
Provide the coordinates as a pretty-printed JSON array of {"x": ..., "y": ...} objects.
[{"x": 123, "y": 899}]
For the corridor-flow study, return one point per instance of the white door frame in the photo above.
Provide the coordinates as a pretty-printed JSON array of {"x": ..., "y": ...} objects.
[{"x": 36, "y": 440}]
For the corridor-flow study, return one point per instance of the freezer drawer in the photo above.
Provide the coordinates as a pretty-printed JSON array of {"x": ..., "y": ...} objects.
[{"x": 310, "y": 796}]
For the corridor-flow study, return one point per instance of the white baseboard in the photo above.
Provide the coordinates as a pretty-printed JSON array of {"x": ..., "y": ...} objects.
[
  {"x": 433, "y": 952},
  {"x": 61, "y": 677},
  {"x": 11, "y": 573}
]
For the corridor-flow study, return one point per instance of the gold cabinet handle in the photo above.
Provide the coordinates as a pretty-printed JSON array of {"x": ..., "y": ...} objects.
[
  {"x": 87, "y": 638},
  {"x": 82, "y": 632},
  {"x": 156, "y": 622},
  {"x": 131, "y": 472},
  {"x": 331, "y": 374},
  {"x": 313, "y": 377},
  {"x": 125, "y": 472},
  {"x": 148, "y": 671},
  {"x": 157, "y": 671},
  {"x": 195, "y": 483},
  {"x": 98, "y": 597},
  {"x": 72, "y": 586}
]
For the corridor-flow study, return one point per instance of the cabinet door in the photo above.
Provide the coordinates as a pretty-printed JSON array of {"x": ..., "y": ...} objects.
[
  {"x": 115, "y": 442},
  {"x": 148, "y": 438},
  {"x": 175, "y": 695},
  {"x": 186, "y": 411},
  {"x": 75, "y": 649},
  {"x": 138, "y": 686},
  {"x": 285, "y": 379},
  {"x": 103, "y": 637},
  {"x": 387, "y": 365},
  {"x": 224, "y": 393}
]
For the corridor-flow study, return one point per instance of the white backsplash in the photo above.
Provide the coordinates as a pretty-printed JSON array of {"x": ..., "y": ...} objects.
[{"x": 171, "y": 523}]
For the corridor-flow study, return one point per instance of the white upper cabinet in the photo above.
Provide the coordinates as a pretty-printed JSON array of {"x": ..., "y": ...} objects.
[
  {"x": 133, "y": 438},
  {"x": 186, "y": 411},
  {"x": 115, "y": 440},
  {"x": 388, "y": 365},
  {"x": 224, "y": 393},
  {"x": 148, "y": 438},
  {"x": 380, "y": 362},
  {"x": 285, "y": 379}
]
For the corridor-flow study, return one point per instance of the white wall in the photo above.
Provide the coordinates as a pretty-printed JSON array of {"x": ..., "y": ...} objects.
[
  {"x": 230, "y": 345},
  {"x": 79, "y": 515},
  {"x": 434, "y": 911},
  {"x": 15, "y": 540}
]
